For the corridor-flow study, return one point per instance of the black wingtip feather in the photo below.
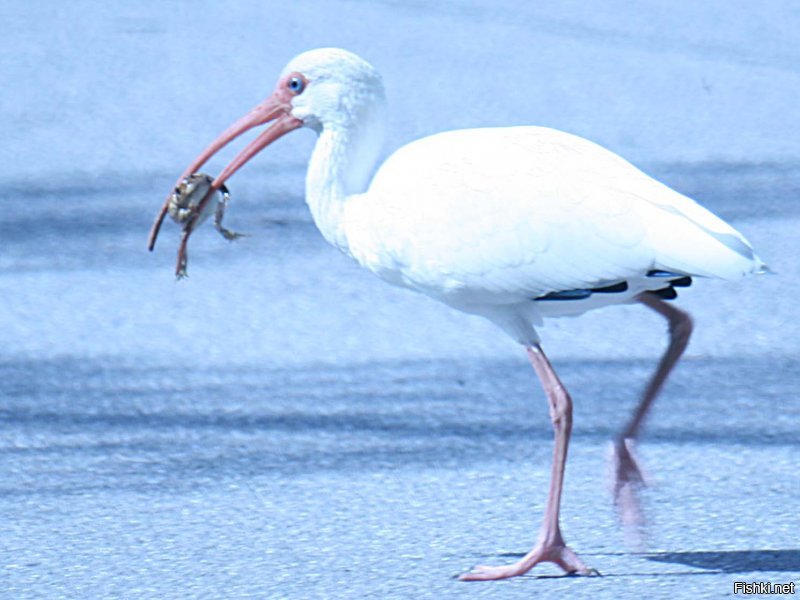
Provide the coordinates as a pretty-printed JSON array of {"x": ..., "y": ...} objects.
[{"x": 666, "y": 293}]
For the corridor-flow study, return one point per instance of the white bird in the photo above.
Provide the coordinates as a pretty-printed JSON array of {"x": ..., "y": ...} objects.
[{"x": 514, "y": 224}]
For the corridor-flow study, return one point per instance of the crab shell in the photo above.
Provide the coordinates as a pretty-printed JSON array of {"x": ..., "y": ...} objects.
[{"x": 187, "y": 196}]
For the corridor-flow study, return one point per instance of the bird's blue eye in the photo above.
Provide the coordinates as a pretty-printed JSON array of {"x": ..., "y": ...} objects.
[{"x": 296, "y": 84}]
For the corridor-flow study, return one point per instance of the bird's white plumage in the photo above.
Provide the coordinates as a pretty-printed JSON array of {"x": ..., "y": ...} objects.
[
  {"x": 506, "y": 215},
  {"x": 489, "y": 220},
  {"x": 514, "y": 224}
]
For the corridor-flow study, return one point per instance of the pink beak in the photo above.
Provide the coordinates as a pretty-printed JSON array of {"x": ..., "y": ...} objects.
[{"x": 276, "y": 108}]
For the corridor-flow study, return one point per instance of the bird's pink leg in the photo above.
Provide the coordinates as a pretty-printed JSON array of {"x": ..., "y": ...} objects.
[
  {"x": 627, "y": 475},
  {"x": 550, "y": 547}
]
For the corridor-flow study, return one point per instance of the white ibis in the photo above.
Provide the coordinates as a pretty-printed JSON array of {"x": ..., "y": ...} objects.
[{"x": 514, "y": 224}]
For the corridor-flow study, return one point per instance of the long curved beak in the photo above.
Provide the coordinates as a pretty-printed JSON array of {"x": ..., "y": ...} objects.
[{"x": 274, "y": 109}]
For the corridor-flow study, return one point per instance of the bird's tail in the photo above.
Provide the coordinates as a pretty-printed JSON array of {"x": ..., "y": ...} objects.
[{"x": 690, "y": 239}]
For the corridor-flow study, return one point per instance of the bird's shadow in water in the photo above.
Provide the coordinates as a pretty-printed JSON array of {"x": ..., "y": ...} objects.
[{"x": 712, "y": 562}]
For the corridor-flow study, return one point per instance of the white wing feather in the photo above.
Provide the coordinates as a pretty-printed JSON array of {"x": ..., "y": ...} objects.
[{"x": 500, "y": 215}]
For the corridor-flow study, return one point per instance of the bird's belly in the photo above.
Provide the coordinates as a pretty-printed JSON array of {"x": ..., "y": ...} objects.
[{"x": 487, "y": 293}]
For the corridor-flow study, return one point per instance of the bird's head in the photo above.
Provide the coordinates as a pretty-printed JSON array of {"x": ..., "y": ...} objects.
[
  {"x": 323, "y": 88},
  {"x": 329, "y": 87}
]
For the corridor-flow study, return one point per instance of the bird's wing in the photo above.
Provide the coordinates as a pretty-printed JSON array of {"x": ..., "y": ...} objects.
[
  {"x": 688, "y": 238},
  {"x": 502, "y": 214}
]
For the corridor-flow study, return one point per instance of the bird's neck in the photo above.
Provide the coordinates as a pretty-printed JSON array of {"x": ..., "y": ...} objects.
[{"x": 342, "y": 166}]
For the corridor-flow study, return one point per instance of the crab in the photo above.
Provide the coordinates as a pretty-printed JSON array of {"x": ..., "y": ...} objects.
[{"x": 188, "y": 206}]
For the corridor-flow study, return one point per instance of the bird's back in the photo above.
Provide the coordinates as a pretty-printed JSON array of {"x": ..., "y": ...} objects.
[{"x": 502, "y": 214}]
